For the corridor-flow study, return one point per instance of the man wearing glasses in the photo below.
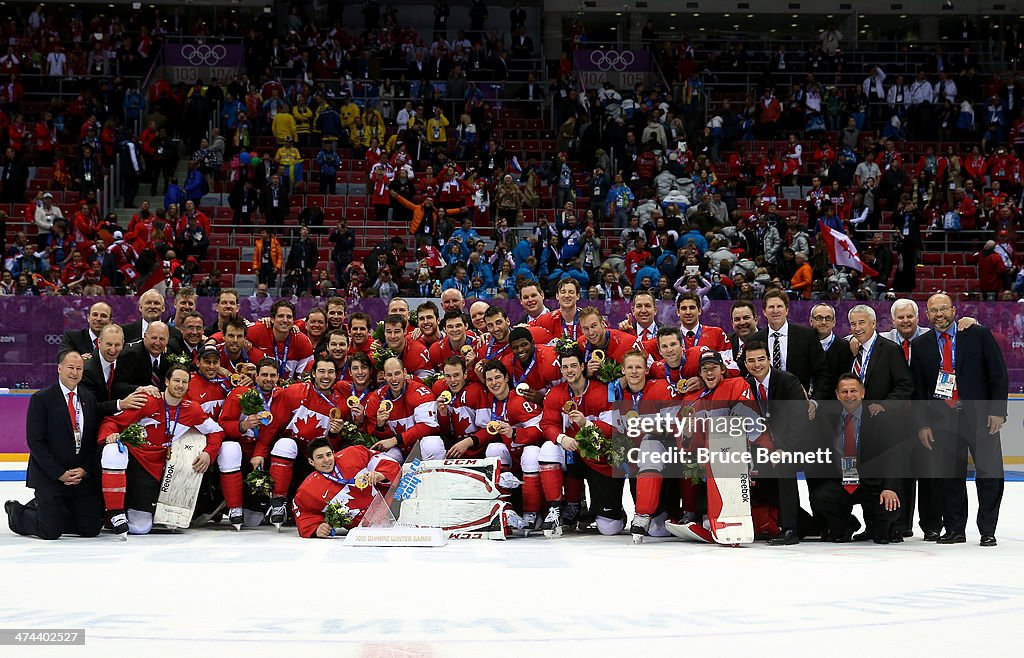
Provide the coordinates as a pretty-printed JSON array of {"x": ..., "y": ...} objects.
[{"x": 837, "y": 350}]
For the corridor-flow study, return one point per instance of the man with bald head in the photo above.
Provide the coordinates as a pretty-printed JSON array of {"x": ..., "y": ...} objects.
[
  {"x": 85, "y": 341},
  {"x": 476, "y": 317},
  {"x": 146, "y": 363},
  {"x": 151, "y": 308},
  {"x": 104, "y": 376},
  {"x": 452, "y": 300}
]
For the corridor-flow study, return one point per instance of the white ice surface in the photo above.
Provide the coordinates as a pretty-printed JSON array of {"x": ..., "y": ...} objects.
[{"x": 218, "y": 592}]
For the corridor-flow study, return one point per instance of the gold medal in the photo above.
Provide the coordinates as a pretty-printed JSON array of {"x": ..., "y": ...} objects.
[
  {"x": 335, "y": 413},
  {"x": 599, "y": 355},
  {"x": 631, "y": 414},
  {"x": 387, "y": 405},
  {"x": 236, "y": 379},
  {"x": 363, "y": 481},
  {"x": 681, "y": 386},
  {"x": 493, "y": 427},
  {"x": 467, "y": 350},
  {"x": 352, "y": 402},
  {"x": 445, "y": 397},
  {"x": 266, "y": 414},
  {"x": 688, "y": 410},
  {"x": 522, "y": 389},
  {"x": 569, "y": 407}
]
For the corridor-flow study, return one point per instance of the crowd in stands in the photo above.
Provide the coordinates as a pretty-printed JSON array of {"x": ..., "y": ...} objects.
[{"x": 643, "y": 188}]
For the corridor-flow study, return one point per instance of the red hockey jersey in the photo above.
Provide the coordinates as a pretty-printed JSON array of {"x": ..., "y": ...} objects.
[
  {"x": 540, "y": 374},
  {"x": 208, "y": 393},
  {"x": 593, "y": 404},
  {"x": 412, "y": 418},
  {"x": 294, "y": 354},
  {"x": 231, "y": 414},
  {"x": 302, "y": 412}
]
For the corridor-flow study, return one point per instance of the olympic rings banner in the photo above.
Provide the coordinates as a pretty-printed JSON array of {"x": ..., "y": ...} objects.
[
  {"x": 612, "y": 61},
  {"x": 188, "y": 62}
]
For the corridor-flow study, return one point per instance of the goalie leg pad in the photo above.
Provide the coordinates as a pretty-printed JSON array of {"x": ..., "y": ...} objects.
[
  {"x": 179, "y": 486},
  {"x": 113, "y": 459},
  {"x": 499, "y": 451},
  {"x": 432, "y": 448},
  {"x": 286, "y": 448},
  {"x": 447, "y": 480},
  {"x": 229, "y": 459},
  {"x": 139, "y": 523},
  {"x": 461, "y": 516}
]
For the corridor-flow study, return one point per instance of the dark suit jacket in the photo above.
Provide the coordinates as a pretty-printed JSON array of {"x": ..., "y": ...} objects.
[
  {"x": 92, "y": 381},
  {"x": 805, "y": 359},
  {"x": 837, "y": 359},
  {"x": 79, "y": 341},
  {"x": 133, "y": 333},
  {"x": 888, "y": 378},
  {"x": 135, "y": 367},
  {"x": 786, "y": 410},
  {"x": 981, "y": 378},
  {"x": 51, "y": 442},
  {"x": 880, "y": 446},
  {"x": 737, "y": 353}
]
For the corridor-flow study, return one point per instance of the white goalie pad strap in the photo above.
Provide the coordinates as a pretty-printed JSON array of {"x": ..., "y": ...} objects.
[
  {"x": 500, "y": 452},
  {"x": 452, "y": 515},
  {"x": 285, "y": 448},
  {"x": 229, "y": 459},
  {"x": 508, "y": 481},
  {"x": 529, "y": 461},
  {"x": 113, "y": 459},
  {"x": 139, "y": 523},
  {"x": 179, "y": 486}
]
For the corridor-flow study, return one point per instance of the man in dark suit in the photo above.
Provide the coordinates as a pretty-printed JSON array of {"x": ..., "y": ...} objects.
[
  {"x": 151, "y": 308},
  {"x": 879, "y": 364},
  {"x": 794, "y": 348},
  {"x": 744, "y": 326},
  {"x": 866, "y": 464},
  {"x": 783, "y": 404},
  {"x": 62, "y": 467},
  {"x": 84, "y": 341},
  {"x": 961, "y": 384},
  {"x": 837, "y": 350},
  {"x": 146, "y": 363},
  {"x": 104, "y": 379}
]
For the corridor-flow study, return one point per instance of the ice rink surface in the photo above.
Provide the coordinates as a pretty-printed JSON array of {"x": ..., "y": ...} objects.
[{"x": 218, "y": 592}]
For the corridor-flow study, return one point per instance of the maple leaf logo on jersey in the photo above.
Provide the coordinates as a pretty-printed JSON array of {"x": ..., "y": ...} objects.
[{"x": 307, "y": 423}]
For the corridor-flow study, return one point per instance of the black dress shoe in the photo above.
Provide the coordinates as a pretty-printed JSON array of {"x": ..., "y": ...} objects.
[
  {"x": 785, "y": 538},
  {"x": 11, "y": 507},
  {"x": 880, "y": 540},
  {"x": 988, "y": 540},
  {"x": 907, "y": 533},
  {"x": 862, "y": 536},
  {"x": 844, "y": 538},
  {"x": 931, "y": 536},
  {"x": 952, "y": 538},
  {"x": 895, "y": 537}
]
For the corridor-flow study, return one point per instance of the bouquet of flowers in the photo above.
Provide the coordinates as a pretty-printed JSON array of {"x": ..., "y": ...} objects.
[
  {"x": 608, "y": 371},
  {"x": 260, "y": 482},
  {"x": 378, "y": 332},
  {"x": 133, "y": 435},
  {"x": 430, "y": 380},
  {"x": 251, "y": 404},
  {"x": 179, "y": 359},
  {"x": 380, "y": 355},
  {"x": 694, "y": 472},
  {"x": 566, "y": 346},
  {"x": 414, "y": 319},
  {"x": 595, "y": 446},
  {"x": 338, "y": 516},
  {"x": 351, "y": 433}
]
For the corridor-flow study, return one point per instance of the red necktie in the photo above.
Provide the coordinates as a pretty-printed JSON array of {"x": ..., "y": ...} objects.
[
  {"x": 96, "y": 343},
  {"x": 849, "y": 447},
  {"x": 906, "y": 350},
  {"x": 110, "y": 379},
  {"x": 949, "y": 366},
  {"x": 71, "y": 411},
  {"x": 762, "y": 392}
]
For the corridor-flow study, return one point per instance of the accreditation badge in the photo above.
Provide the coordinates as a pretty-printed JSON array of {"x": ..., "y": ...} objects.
[
  {"x": 850, "y": 474},
  {"x": 945, "y": 385}
]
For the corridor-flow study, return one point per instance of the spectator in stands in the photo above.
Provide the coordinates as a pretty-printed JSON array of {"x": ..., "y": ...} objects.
[
  {"x": 302, "y": 260},
  {"x": 991, "y": 272},
  {"x": 195, "y": 183},
  {"x": 194, "y": 240},
  {"x": 276, "y": 203},
  {"x": 328, "y": 162},
  {"x": 47, "y": 213},
  {"x": 267, "y": 259},
  {"x": 13, "y": 177}
]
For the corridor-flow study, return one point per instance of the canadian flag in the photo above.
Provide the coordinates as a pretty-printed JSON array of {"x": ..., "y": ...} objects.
[{"x": 842, "y": 251}]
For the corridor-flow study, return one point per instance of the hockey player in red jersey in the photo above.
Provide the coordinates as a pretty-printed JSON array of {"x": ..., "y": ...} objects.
[
  {"x": 600, "y": 342},
  {"x": 292, "y": 351},
  {"x": 360, "y": 333},
  {"x": 642, "y": 396},
  {"x": 234, "y": 354},
  {"x": 205, "y": 388},
  {"x": 413, "y": 354},
  {"x": 453, "y": 342},
  {"x": 243, "y": 430},
  {"x": 131, "y": 475},
  {"x": 693, "y": 332},
  {"x": 301, "y": 412},
  {"x": 348, "y": 478},
  {"x": 495, "y": 344},
  {"x": 532, "y": 369},
  {"x": 563, "y": 322},
  {"x": 678, "y": 366},
  {"x": 402, "y": 413},
  {"x": 362, "y": 384},
  {"x": 462, "y": 412},
  {"x": 517, "y": 423},
  {"x": 573, "y": 404}
]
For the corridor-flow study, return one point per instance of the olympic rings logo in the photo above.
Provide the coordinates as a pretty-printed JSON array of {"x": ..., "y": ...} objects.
[
  {"x": 54, "y": 339},
  {"x": 612, "y": 60},
  {"x": 203, "y": 54}
]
